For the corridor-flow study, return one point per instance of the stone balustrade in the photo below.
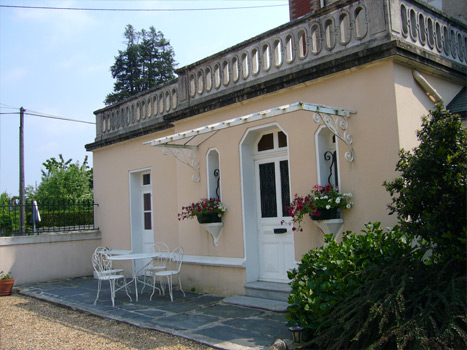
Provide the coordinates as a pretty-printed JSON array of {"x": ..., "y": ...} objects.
[
  {"x": 431, "y": 31},
  {"x": 139, "y": 111},
  {"x": 342, "y": 29}
]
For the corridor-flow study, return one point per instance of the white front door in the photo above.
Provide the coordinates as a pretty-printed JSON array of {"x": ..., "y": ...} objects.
[{"x": 276, "y": 244}]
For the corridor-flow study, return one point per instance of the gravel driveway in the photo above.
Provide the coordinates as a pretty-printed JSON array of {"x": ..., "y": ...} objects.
[{"x": 27, "y": 323}]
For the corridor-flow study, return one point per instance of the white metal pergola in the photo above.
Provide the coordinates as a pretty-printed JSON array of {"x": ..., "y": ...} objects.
[{"x": 183, "y": 145}]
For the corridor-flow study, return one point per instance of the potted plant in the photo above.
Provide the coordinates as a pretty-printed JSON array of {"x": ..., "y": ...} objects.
[
  {"x": 328, "y": 200},
  {"x": 209, "y": 213},
  {"x": 6, "y": 283},
  {"x": 323, "y": 203},
  {"x": 300, "y": 207},
  {"x": 206, "y": 210}
]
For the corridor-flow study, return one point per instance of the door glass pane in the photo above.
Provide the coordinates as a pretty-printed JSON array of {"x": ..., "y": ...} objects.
[
  {"x": 285, "y": 191},
  {"x": 282, "y": 139},
  {"x": 266, "y": 142},
  {"x": 267, "y": 180},
  {"x": 147, "y": 221},
  {"x": 147, "y": 202},
  {"x": 146, "y": 179},
  {"x": 147, "y": 211}
]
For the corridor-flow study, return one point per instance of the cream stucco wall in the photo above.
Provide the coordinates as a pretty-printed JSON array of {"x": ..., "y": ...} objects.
[
  {"x": 412, "y": 102},
  {"x": 388, "y": 105},
  {"x": 112, "y": 167},
  {"x": 44, "y": 257}
]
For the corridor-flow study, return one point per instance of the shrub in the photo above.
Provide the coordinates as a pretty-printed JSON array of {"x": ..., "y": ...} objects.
[
  {"x": 326, "y": 276},
  {"x": 375, "y": 291},
  {"x": 6, "y": 225},
  {"x": 402, "y": 305},
  {"x": 66, "y": 218},
  {"x": 429, "y": 197}
]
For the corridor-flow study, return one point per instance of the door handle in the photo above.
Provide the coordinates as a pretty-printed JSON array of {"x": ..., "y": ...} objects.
[{"x": 278, "y": 231}]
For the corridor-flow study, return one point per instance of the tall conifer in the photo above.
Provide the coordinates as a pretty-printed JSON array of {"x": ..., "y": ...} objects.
[{"x": 147, "y": 61}]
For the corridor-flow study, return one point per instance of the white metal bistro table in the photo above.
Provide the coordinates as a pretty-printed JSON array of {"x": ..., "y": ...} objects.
[{"x": 134, "y": 257}]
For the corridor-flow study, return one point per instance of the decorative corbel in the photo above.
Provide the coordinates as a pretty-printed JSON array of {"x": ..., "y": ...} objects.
[
  {"x": 186, "y": 155},
  {"x": 338, "y": 125}
]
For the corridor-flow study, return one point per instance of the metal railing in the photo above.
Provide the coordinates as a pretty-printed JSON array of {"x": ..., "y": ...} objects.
[{"x": 40, "y": 217}]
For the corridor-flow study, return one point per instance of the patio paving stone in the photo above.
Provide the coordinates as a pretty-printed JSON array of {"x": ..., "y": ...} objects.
[
  {"x": 68, "y": 292},
  {"x": 152, "y": 313},
  {"x": 230, "y": 311},
  {"x": 241, "y": 337},
  {"x": 260, "y": 325},
  {"x": 178, "y": 307},
  {"x": 185, "y": 321},
  {"x": 200, "y": 317}
]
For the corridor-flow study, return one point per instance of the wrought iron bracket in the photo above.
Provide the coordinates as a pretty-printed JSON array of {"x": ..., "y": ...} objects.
[
  {"x": 331, "y": 156},
  {"x": 338, "y": 124},
  {"x": 217, "y": 174},
  {"x": 187, "y": 156}
]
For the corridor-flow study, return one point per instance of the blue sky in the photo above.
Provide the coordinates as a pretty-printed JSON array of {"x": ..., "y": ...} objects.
[{"x": 57, "y": 62}]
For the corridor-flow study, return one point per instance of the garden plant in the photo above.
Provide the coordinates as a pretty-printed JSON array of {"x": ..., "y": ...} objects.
[
  {"x": 204, "y": 206},
  {"x": 403, "y": 288}
]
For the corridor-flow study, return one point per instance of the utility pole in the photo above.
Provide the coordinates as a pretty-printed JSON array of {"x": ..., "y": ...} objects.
[{"x": 22, "y": 204}]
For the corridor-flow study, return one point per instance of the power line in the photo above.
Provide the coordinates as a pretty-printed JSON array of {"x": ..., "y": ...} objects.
[
  {"x": 9, "y": 107},
  {"x": 171, "y": 0},
  {"x": 139, "y": 10},
  {"x": 43, "y": 115},
  {"x": 58, "y": 118}
]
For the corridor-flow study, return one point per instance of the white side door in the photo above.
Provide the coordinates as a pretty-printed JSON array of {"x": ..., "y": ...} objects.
[
  {"x": 142, "y": 215},
  {"x": 276, "y": 243},
  {"x": 148, "y": 233}
]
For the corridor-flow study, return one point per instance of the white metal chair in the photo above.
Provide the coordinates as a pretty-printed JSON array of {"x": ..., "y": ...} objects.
[
  {"x": 104, "y": 272},
  {"x": 157, "y": 264},
  {"x": 174, "y": 265},
  {"x": 108, "y": 251}
]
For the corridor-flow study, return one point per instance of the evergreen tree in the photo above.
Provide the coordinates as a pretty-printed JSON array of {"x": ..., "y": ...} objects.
[
  {"x": 429, "y": 197},
  {"x": 147, "y": 61}
]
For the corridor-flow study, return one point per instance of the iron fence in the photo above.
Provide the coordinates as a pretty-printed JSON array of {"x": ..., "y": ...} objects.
[{"x": 40, "y": 217}]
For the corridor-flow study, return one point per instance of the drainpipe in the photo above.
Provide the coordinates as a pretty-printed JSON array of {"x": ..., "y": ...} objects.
[{"x": 426, "y": 86}]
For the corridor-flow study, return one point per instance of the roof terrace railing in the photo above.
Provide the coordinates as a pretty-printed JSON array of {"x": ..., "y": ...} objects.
[{"x": 331, "y": 32}]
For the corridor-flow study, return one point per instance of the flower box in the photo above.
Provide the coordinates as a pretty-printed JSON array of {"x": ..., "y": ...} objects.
[
  {"x": 208, "y": 212},
  {"x": 204, "y": 209},
  {"x": 208, "y": 218},
  {"x": 325, "y": 214},
  {"x": 323, "y": 203}
]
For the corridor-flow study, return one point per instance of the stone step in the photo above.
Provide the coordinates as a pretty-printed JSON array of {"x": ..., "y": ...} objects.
[
  {"x": 268, "y": 290},
  {"x": 258, "y": 303}
]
